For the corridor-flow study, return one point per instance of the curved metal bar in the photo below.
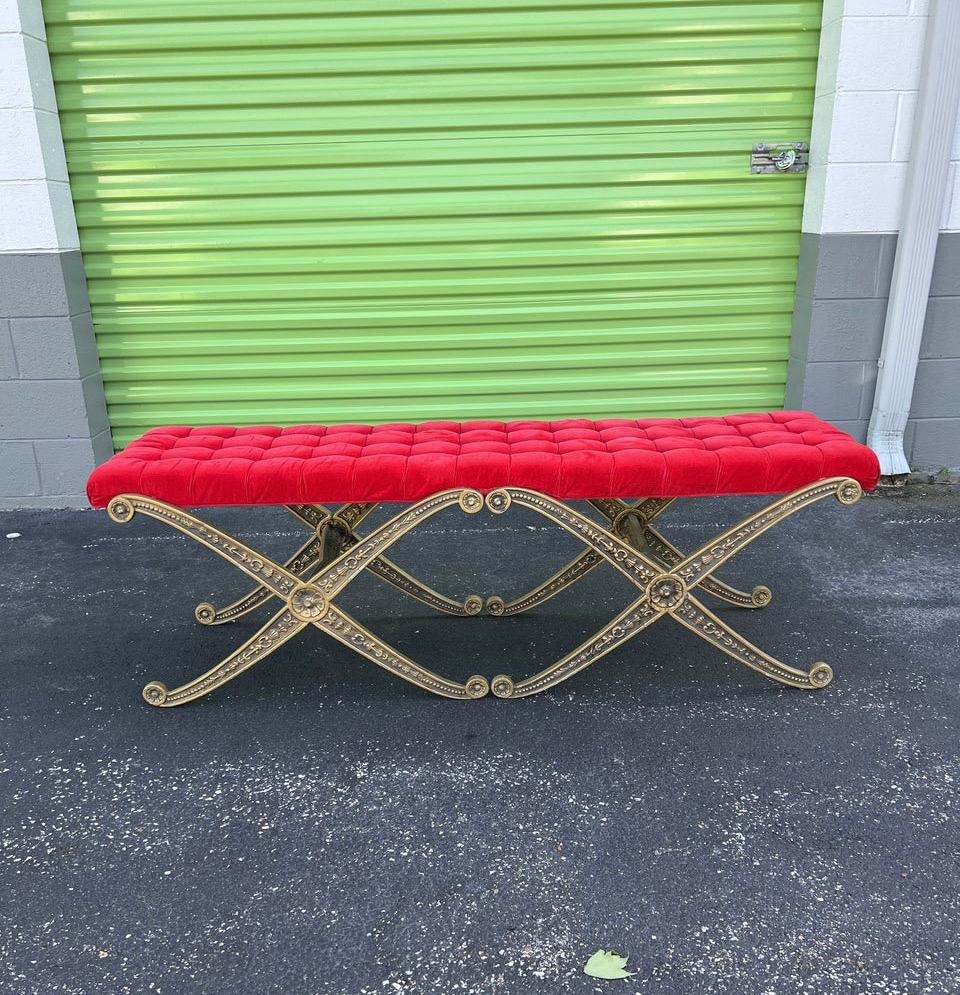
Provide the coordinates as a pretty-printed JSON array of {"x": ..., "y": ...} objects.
[
  {"x": 351, "y": 516},
  {"x": 699, "y": 619},
  {"x": 700, "y": 564},
  {"x": 647, "y": 510},
  {"x": 310, "y": 553},
  {"x": 658, "y": 548},
  {"x": 577, "y": 568},
  {"x": 625, "y": 626},
  {"x": 314, "y": 515},
  {"x": 262, "y": 569},
  {"x": 387, "y": 570},
  {"x": 333, "y": 578},
  {"x": 569, "y": 574},
  {"x": 609, "y": 507},
  {"x": 651, "y": 508},
  {"x": 631, "y": 563},
  {"x": 670, "y": 556},
  {"x": 301, "y": 561},
  {"x": 342, "y": 627},
  {"x": 271, "y": 636},
  {"x": 317, "y": 515}
]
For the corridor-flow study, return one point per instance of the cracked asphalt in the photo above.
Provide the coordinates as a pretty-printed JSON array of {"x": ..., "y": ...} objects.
[{"x": 317, "y": 827}]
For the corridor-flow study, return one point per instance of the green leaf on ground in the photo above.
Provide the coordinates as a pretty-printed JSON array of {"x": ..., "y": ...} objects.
[{"x": 607, "y": 964}]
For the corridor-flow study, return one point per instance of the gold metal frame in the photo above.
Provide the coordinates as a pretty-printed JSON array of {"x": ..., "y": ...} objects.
[
  {"x": 312, "y": 552},
  {"x": 334, "y": 556}
]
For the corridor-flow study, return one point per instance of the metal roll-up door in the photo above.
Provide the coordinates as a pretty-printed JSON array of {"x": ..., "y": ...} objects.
[{"x": 390, "y": 211}]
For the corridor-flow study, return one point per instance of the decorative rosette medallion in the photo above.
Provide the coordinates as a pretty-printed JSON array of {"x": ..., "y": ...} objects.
[
  {"x": 666, "y": 592},
  {"x": 307, "y": 603}
]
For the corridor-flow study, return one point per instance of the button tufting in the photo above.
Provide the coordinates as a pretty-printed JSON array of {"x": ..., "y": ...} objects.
[{"x": 571, "y": 459}]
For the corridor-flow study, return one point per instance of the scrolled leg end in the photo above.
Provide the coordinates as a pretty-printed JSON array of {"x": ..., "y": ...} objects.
[
  {"x": 477, "y": 686},
  {"x": 495, "y": 606},
  {"x": 155, "y": 694},
  {"x": 761, "y": 596},
  {"x": 473, "y": 604},
  {"x": 471, "y": 501},
  {"x": 820, "y": 674},
  {"x": 120, "y": 510},
  {"x": 849, "y": 491},
  {"x": 498, "y": 501},
  {"x": 502, "y": 686},
  {"x": 205, "y": 613}
]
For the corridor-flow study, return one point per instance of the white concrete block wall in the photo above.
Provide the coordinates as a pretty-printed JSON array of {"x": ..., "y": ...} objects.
[
  {"x": 863, "y": 117},
  {"x": 36, "y": 210}
]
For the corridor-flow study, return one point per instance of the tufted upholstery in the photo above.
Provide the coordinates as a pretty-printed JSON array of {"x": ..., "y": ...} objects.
[{"x": 651, "y": 457}]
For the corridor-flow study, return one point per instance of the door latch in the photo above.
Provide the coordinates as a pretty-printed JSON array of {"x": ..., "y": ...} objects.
[{"x": 787, "y": 157}]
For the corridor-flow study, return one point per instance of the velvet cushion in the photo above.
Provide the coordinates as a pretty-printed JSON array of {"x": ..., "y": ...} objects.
[{"x": 573, "y": 459}]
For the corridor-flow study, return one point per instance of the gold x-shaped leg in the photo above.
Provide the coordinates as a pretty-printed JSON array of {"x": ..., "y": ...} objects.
[
  {"x": 308, "y": 602},
  {"x": 668, "y": 592},
  {"x": 346, "y": 520},
  {"x": 630, "y": 522}
]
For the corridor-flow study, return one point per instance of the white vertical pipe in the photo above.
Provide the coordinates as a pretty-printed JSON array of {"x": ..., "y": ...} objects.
[{"x": 933, "y": 126}]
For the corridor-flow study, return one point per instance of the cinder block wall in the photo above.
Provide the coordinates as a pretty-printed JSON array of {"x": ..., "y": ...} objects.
[
  {"x": 53, "y": 420},
  {"x": 863, "y": 118}
]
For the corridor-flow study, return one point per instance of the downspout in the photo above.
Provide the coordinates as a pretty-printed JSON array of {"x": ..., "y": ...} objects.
[{"x": 936, "y": 117}]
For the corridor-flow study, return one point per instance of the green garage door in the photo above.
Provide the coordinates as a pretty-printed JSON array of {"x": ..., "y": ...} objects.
[{"x": 300, "y": 211}]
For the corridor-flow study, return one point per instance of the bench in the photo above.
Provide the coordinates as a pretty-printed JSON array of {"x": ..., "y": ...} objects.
[{"x": 628, "y": 471}]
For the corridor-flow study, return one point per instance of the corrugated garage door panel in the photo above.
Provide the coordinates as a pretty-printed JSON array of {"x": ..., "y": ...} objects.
[{"x": 301, "y": 212}]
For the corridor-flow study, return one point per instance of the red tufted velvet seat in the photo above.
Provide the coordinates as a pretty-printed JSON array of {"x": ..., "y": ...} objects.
[{"x": 576, "y": 459}]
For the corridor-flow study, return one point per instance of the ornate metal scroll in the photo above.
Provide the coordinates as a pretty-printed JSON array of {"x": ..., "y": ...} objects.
[
  {"x": 552, "y": 586},
  {"x": 298, "y": 564},
  {"x": 271, "y": 575},
  {"x": 274, "y": 634},
  {"x": 632, "y": 564},
  {"x": 309, "y": 554},
  {"x": 669, "y": 592},
  {"x": 314, "y": 515},
  {"x": 653, "y": 545},
  {"x": 625, "y": 626},
  {"x": 349, "y": 632},
  {"x": 416, "y": 589},
  {"x": 705, "y": 624},
  {"x": 702, "y": 563},
  {"x": 669, "y": 556},
  {"x": 307, "y": 602}
]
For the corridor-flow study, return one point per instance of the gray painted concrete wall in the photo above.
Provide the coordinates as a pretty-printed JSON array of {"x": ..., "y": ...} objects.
[
  {"x": 53, "y": 419},
  {"x": 842, "y": 289}
]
